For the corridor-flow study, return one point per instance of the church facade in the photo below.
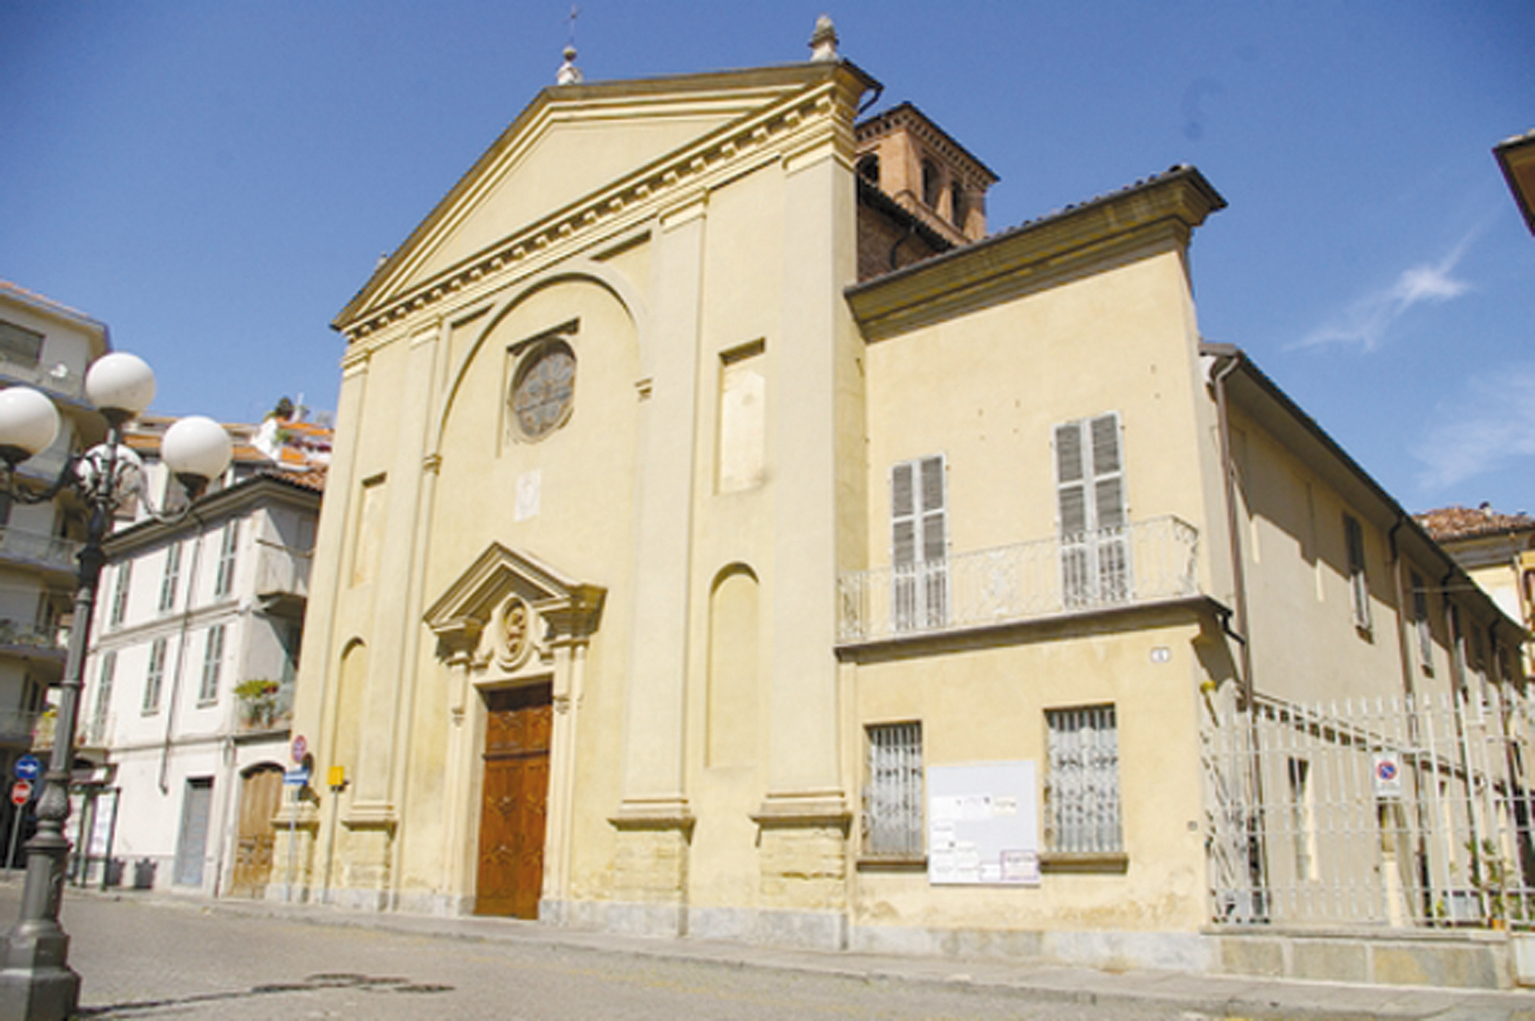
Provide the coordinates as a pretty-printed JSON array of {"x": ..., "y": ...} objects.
[{"x": 726, "y": 536}]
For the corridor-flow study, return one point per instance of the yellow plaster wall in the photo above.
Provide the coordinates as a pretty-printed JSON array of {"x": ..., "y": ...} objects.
[
  {"x": 987, "y": 704},
  {"x": 1121, "y": 340}
]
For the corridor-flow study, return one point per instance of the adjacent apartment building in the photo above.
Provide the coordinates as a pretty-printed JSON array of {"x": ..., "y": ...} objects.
[
  {"x": 189, "y": 686},
  {"x": 48, "y": 346},
  {"x": 728, "y": 536}
]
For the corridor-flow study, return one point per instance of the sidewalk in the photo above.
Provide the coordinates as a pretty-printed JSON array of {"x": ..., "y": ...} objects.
[{"x": 1218, "y": 995}]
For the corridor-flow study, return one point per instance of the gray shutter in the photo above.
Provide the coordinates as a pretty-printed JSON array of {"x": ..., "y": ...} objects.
[{"x": 903, "y": 520}]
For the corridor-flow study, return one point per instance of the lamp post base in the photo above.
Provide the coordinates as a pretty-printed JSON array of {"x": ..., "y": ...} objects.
[{"x": 36, "y": 984}]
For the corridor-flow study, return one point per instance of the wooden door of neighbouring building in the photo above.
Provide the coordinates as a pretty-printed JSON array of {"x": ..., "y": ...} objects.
[
  {"x": 515, "y": 801},
  {"x": 260, "y": 798}
]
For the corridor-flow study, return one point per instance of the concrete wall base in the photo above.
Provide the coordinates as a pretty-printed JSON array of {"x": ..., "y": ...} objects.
[{"x": 1470, "y": 959}]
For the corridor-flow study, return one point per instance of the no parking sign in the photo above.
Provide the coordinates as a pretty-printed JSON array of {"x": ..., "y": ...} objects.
[{"x": 1386, "y": 775}]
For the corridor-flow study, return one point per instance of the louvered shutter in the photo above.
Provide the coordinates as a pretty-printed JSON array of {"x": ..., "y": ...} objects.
[
  {"x": 918, "y": 544},
  {"x": 1090, "y": 502}
]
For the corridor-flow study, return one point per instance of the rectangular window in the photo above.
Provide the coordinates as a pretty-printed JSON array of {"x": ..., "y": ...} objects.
[
  {"x": 1091, "y": 511},
  {"x": 103, "y": 703},
  {"x": 892, "y": 799},
  {"x": 119, "y": 609},
  {"x": 1359, "y": 585},
  {"x": 743, "y": 418},
  {"x": 1420, "y": 621},
  {"x": 228, "y": 548},
  {"x": 20, "y": 346},
  {"x": 919, "y": 538},
  {"x": 171, "y": 578},
  {"x": 154, "y": 677},
  {"x": 1302, "y": 818},
  {"x": 1083, "y": 788},
  {"x": 213, "y": 663}
]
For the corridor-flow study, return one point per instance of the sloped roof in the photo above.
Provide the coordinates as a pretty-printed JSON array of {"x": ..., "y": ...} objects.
[{"x": 1457, "y": 522}]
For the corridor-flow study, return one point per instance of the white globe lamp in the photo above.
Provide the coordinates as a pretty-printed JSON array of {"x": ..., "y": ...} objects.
[
  {"x": 120, "y": 385},
  {"x": 196, "y": 449},
  {"x": 28, "y": 424}
]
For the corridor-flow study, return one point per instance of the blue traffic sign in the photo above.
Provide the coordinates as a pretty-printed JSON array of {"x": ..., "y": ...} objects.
[
  {"x": 28, "y": 767},
  {"x": 296, "y": 778}
]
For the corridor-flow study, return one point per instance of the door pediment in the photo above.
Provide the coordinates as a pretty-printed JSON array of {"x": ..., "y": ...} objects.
[{"x": 508, "y": 604}]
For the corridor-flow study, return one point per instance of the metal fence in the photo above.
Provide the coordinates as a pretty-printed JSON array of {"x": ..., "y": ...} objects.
[
  {"x": 1147, "y": 560},
  {"x": 1391, "y": 811}
]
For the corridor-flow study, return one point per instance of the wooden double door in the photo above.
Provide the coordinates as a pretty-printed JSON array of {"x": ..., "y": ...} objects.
[{"x": 515, "y": 802}]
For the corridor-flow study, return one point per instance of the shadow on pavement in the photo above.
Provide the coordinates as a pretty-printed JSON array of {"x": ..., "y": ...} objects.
[{"x": 368, "y": 983}]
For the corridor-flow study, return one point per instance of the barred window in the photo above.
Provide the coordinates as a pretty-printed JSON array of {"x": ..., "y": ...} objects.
[
  {"x": 1084, "y": 804},
  {"x": 892, "y": 799}
]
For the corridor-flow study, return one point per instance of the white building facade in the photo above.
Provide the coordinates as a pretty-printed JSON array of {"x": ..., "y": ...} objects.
[
  {"x": 47, "y": 346},
  {"x": 189, "y": 688}
]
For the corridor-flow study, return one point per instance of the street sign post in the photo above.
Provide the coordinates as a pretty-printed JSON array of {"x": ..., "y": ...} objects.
[{"x": 21, "y": 793}]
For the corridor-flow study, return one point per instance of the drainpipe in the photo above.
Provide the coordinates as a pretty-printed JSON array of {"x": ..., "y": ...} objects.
[
  {"x": 1256, "y": 827},
  {"x": 1233, "y": 532},
  {"x": 1409, "y": 688}
]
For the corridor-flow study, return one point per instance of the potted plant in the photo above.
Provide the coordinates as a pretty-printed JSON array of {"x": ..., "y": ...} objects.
[{"x": 259, "y": 699}]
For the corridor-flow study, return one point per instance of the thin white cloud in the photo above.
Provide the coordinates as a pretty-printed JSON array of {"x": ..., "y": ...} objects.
[
  {"x": 1365, "y": 322},
  {"x": 1483, "y": 429}
]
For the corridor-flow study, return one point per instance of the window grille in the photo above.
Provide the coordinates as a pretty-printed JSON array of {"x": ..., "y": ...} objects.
[
  {"x": 228, "y": 549},
  {"x": 171, "y": 578},
  {"x": 1084, "y": 811},
  {"x": 892, "y": 819},
  {"x": 20, "y": 346},
  {"x": 154, "y": 678},
  {"x": 1359, "y": 585},
  {"x": 213, "y": 662},
  {"x": 119, "y": 609}
]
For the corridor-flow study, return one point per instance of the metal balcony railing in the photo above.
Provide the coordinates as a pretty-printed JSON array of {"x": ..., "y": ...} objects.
[
  {"x": 17, "y": 636},
  {"x": 1141, "y": 562},
  {"x": 42, "y": 550}
]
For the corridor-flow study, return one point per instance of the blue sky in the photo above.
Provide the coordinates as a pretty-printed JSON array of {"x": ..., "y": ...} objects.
[{"x": 215, "y": 180}]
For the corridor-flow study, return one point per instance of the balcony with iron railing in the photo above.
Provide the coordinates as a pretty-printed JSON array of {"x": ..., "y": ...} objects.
[
  {"x": 31, "y": 549},
  {"x": 1139, "y": 563},
  {"x": 16, "y": 726}
]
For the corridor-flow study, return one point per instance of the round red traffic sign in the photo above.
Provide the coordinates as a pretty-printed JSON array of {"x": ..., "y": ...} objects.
[
  {"x": 300, "y": 748},
  {"x": 21, "y": 792}
]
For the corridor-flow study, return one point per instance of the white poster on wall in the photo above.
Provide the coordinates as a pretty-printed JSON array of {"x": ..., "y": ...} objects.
[{"x": 983, "y": 824}]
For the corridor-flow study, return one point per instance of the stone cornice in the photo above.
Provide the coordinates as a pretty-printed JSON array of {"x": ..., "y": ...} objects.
[
  {"x": 1158, "y": 215},
  {"x": 678, "y": 178}
]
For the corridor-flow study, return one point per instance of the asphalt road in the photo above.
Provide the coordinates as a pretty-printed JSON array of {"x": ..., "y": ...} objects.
[{"x": 153, "y": 959}]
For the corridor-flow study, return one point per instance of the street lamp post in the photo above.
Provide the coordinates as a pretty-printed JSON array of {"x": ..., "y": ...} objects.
[{"x": 36, "y": 982}]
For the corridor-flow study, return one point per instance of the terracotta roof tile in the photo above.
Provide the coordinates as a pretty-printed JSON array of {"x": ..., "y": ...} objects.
[{"x": 1459, "y": 522}]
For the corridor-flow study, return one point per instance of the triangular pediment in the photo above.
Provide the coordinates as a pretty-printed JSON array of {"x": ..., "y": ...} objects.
[
  {"x": 570, "y": 144},
  {"x": 496, "y": 575}
]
